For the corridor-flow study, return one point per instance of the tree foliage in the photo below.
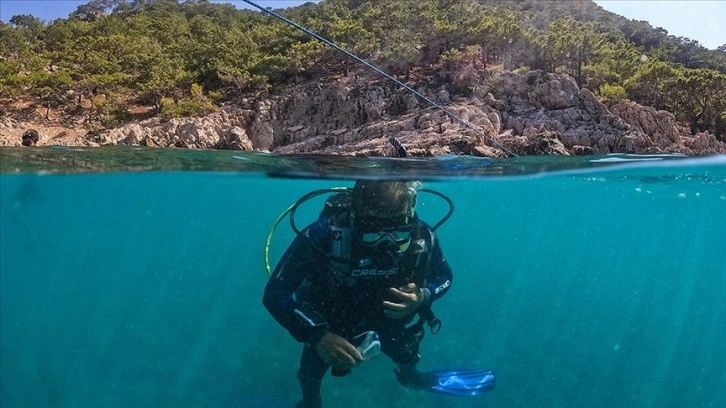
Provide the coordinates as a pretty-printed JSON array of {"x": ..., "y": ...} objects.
[{"x": 155, "y": 51}]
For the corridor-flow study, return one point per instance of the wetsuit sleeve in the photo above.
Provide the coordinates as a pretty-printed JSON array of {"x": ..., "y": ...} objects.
[
  {"x": 439, "y": 275},
  {"x": 303, "y": 258}
]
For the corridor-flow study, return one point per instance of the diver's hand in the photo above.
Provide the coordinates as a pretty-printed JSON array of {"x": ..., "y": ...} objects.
[
  {"x": 410, "y": 298},
  {"x": 338, "y": 352}
]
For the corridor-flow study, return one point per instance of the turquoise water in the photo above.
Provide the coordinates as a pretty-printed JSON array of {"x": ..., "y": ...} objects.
[{"x": 602, "y": 287}]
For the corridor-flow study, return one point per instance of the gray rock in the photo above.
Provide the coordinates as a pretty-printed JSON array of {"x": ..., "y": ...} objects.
[{"x": 534, "y": 113}]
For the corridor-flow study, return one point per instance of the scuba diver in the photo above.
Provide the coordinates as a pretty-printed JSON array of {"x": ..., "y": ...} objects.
[{"x": 351, "y": 284}]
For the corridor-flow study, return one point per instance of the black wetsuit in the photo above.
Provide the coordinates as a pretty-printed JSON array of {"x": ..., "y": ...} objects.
[{"x": 314, "y": 289}]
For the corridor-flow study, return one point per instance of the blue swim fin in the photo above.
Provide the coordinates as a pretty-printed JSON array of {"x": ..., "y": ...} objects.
[{"x": 461, "y": 382}]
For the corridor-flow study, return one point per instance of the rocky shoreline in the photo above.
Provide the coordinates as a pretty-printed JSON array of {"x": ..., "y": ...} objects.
[{"x": 532, "y": 113}]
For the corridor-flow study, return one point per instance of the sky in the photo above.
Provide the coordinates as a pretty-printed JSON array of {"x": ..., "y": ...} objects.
[
  {"x": 702, "y": 20},
  {"x": 699, "y": 20},
  {"x": 49, "y": 10}
]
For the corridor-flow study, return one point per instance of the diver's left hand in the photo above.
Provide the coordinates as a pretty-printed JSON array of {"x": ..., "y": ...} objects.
[{"x": 410, "y": 298}]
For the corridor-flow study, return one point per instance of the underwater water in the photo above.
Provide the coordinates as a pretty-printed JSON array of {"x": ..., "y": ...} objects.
[{"x": 582, "y": 282}]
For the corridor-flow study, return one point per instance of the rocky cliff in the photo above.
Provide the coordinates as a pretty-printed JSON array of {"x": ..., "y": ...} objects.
[{"x": 534, "y": 113}]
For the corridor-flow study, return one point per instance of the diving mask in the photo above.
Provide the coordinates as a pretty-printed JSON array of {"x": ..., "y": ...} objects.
[
  {"x": 369, "y": 344},
  {"x": 396, "y": 235},
  {"x": 375, "y": 230}
]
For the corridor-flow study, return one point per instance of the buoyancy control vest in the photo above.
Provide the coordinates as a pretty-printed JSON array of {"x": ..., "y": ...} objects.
[{"x": 351, "y": 264}]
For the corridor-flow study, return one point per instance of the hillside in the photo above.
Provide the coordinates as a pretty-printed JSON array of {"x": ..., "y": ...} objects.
[{"x": 115, "y": 62}]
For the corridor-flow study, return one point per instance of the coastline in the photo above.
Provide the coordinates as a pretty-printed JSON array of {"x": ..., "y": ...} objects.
[{"x": 532, "y": 113}]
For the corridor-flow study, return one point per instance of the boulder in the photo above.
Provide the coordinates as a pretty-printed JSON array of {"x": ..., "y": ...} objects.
[{"x": 660, "y": 126}]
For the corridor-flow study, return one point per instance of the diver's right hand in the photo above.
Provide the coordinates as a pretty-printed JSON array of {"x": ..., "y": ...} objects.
[{"x": 338, "y": 352}]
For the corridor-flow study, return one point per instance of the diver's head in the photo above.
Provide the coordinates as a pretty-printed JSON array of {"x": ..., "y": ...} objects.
[
  {"x": 30, "y": 137},
  {"x": 383, "y": 212}
]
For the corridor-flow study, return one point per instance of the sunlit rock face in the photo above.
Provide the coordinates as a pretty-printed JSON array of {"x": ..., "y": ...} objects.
[{"x": 531, "y": 113}]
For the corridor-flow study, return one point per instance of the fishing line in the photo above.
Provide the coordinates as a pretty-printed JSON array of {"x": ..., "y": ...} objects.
[{"x": 318, "y": 37}]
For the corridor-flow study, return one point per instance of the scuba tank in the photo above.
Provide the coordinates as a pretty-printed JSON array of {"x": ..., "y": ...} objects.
[{"x": 337, "y": 208}]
